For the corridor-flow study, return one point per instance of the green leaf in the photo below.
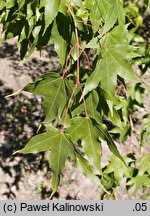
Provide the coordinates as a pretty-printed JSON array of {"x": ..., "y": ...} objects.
[
  {"x": 103, "y": 134},
  {"x": 51, "y": 10},
  {"x": 35, "y": 32},
  {"x": 10, "y": 3},
  {"x": 52, "y": 106},
  {"x": 83, "y": 165},
  {"x": 118, "y": 168},
  {"x": 107, "y": 104},
  {"x": 98, "y": 102},
  {"x": 84, "y": 130},
  {"x": 29, "y": 11},
  {"x": 61, "y": 147},
  {"x": 94, "y": 43},
  {"x": 55, "y": 89},
  {"x": 145, "y": 133},
  {"x": 144, "y": 165},
  {"x": 92, "y": 102},
  {"x": 63, "y": 8},
  {"x": 21, "y": 3},
  {"x": 2, "y": 5},
  {"x": 93, "y": 80},
  {"x": 60, "y": 36},
  {"x": 110, "y": 19},
  {"x": 119, "y": 35},
  {"x": 113, "y": 63},
  {"x": 98, "y": 11},
  {"x": 138, "y": 181},
  {"x": 108, "y": 181},
  {"x": 31, "y": 23},
  {"x": 116, "y": 12},
  {"x": 43, "y": 84}
]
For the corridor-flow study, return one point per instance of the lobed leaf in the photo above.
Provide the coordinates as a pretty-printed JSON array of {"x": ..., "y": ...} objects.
[
  {"x": 61, "y": 147},
  {"x": 144, "y": 165},
  {"x": 104, "y": 134},
  {"x": 113, "y": 63},
  {"x": 139, "y": 181},
  {"x": 118, "y": 168},
  {"x": 116, "y": 12},
  {"x": 55, "y": 90},
  {"x": 84, "y": 166},
  {"x": 84, "y": 130}
]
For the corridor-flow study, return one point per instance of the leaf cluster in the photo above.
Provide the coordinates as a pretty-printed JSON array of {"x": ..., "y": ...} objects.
[{"x": 78, "y": 99}]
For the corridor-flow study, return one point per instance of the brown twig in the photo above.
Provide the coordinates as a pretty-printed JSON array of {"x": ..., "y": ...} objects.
[{"x": 67, "y": 61}]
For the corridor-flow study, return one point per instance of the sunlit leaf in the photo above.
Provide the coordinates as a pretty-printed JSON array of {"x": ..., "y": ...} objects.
[
  {"x": 144, "y": 164},
  {"x": 118, "y": 168},
  {"x": 47, "y": 85},
  {"x": 86, "y": 169},
  {"x": 84, "y": 130},
  {"x": 113, "y": 63},
  {"x": 116, "y": 12},
  {"x": 138, "y": 182},
  {"x": 2, "y": 4},
  {"x": 51, "y": 10},
  {"x": 61, "y": 147},
  {"x": 103, "y": 134}
]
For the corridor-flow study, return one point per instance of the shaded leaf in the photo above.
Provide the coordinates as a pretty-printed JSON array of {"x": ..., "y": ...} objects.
[
  {"x": 61, "y": 36},
  {"x": 92, "y": 102},
  {"x": 108, "y": 181}
]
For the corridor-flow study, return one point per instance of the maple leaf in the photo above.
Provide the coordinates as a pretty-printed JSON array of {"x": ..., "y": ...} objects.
[
  {"x": 90, "y": 132},
  {"x": 61, "y": 147},
  {"x": 138, "y": 181},
  {"x": 83, "y": 128},
  {"x": 118, "y": 168},
  {"x": 55, "y": 90},
  {"x": 144, "y": 164}
]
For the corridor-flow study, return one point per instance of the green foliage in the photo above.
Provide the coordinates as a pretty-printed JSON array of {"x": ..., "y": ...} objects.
[
  {"x": 61, "y": 147},
  {"x": 47, "y": 85},
  {"x": 143, "y": 176},
  {"x": 119, "y": 169},
  {"x": 145, "y": 133},
  {"x": 77, "y": 100},
  {"x": 135, "y": 10}
]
